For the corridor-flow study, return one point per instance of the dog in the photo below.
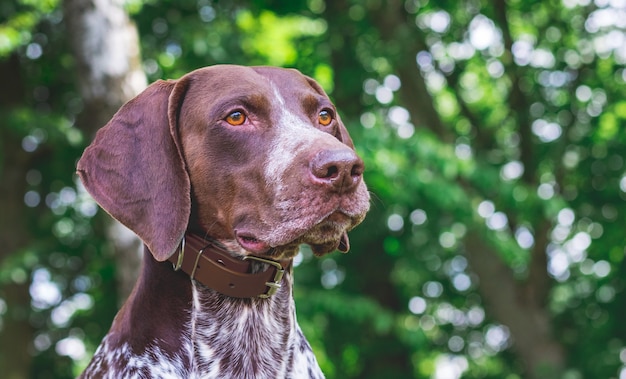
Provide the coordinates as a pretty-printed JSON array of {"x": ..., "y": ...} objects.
[{"x": 223, "y": 174}]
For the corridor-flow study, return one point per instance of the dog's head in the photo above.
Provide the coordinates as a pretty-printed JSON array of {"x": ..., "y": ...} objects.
[{"x": 258, "y": 155}]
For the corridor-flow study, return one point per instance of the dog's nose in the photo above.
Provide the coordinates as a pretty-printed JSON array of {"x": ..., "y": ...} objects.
[{"x": 339, "y": 169}]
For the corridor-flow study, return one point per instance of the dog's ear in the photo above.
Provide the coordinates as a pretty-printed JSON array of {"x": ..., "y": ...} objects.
[{"x": 135, "y": 170}]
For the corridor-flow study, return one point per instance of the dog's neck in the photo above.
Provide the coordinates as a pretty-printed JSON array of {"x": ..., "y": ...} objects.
[
  {"x": 246, "y": 337},
  {"x": 196, "y": 330},
  {"x": 225, "y": 267}
]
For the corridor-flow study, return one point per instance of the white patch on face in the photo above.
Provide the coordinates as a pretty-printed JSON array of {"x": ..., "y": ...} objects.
[{"x": 294, "y": 134}]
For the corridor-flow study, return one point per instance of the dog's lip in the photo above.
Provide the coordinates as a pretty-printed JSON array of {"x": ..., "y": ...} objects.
[
  {"x": 251, "y": 243},
  {"x": 342, "y": 244},
  {"x": 257, "y": 245}
]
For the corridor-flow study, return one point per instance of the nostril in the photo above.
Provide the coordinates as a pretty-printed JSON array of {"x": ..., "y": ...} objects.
[
  {"x": 331, "y": 172},
  {"x": 339, "y": 168},
  {"x": 357, "y": 169}
]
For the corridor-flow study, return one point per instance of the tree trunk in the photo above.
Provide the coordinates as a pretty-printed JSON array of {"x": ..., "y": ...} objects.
[
  {"x": 105, "y": 45},
  {"x": 507, "y": 300},
  {"x": 16, "y": 332},
  {"x": 517, "y": 304}
]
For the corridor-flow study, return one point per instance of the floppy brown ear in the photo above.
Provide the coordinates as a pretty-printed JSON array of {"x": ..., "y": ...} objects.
[{"x": 135, "y": 171}]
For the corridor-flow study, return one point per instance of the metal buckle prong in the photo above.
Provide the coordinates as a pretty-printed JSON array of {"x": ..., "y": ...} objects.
[
  {"x": 274, "y": 285},
  {"x": 181, "y": 256},
  {"x": 195, "y": 265}
]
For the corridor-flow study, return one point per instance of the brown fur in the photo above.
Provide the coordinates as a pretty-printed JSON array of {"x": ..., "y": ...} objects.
[{"x": 169, "y": 162}]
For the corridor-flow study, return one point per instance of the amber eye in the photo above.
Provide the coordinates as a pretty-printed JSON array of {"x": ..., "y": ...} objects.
[
  {"x": 236, "y": 118},
  {"x": 325, "y": 117}
]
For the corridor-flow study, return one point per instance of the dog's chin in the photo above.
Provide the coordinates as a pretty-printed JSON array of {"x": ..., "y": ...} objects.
[
  {"x": 325, "y": 237},
  {"x": 318, "y": 248},
  {"x": 342, "y": 245}
]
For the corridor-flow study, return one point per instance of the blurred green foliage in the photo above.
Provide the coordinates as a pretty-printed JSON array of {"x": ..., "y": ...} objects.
[{"x": 500, "y": 121}]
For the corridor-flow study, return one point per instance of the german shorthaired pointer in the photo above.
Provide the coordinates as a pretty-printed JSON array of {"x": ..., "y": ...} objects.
[{"x": 223, "y": 174}]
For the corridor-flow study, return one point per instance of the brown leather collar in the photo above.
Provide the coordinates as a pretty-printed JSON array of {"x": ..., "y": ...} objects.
[{"x": 209, "y": 262}]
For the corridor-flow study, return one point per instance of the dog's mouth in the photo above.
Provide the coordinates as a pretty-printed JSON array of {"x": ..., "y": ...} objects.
[
  {"x": 252, "y": 244},
  {"x": 342, "y": 245},
  {"x": 331, "y": 234}
]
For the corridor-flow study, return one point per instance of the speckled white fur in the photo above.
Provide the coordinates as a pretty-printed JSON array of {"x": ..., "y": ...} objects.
[
  {"x": 247, "y": 339},
  {"x": 174, "y": 327}
]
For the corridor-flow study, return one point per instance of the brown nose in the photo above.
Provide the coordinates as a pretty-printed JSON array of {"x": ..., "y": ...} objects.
[{"x": 338, "y": 169}]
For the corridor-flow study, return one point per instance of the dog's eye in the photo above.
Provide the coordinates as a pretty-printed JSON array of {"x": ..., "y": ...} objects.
[
  {"x": 236, "y": 118},
  {"x": 325, "y": 117}
]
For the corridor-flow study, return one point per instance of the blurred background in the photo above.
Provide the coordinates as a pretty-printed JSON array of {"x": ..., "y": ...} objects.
[{"x": 494, "y": 140}]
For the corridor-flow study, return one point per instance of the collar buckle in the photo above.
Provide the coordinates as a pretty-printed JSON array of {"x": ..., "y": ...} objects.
[{"x": 274, "y": 285}]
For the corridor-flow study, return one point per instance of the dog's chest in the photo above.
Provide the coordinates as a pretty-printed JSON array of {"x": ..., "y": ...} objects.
[
  {"x": 249, "y": 339},
  {"x": 221, "y": 338},
  {"x": 119, "y": 361}
]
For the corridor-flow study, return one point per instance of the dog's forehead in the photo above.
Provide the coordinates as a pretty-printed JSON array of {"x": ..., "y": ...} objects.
[{"x": 281, "y": 84}]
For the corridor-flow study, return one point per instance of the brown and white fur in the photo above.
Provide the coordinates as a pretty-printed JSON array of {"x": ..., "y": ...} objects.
[{"x": 172, "y": 160}]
